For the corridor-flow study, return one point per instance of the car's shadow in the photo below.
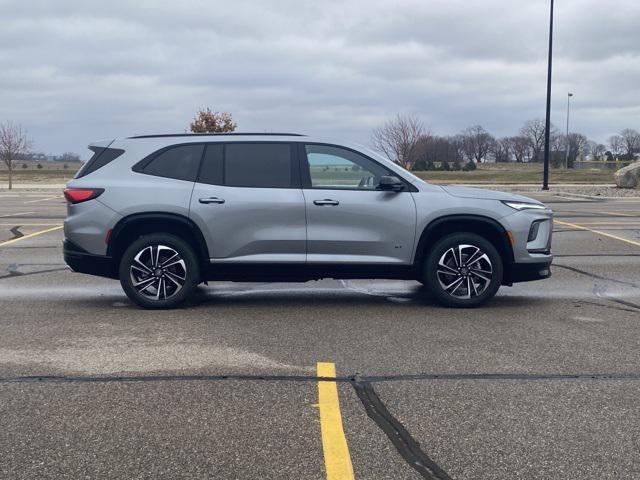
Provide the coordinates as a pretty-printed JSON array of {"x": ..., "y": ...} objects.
[
  {"x": 304, "y": 296},
  {"x": 268, "y": 295}
]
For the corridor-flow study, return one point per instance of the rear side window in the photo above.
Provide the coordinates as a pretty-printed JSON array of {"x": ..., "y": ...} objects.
[
  {"x": 179, "y": 162},
  {"x": 265, "y": 165},
  {"x": 258, "y": 165},
  {"x": 101, "y": 156}
]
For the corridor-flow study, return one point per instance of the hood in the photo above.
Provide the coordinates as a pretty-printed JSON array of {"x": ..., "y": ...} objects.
[{"x": 484, "y": 194}]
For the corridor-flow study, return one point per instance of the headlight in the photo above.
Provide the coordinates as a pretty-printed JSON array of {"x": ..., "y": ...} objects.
[{"x": 524, "y": 206}]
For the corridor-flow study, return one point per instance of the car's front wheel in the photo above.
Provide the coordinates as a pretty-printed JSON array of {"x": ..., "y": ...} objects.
[
  {"x": 159, "y": 271},
  {"x": 463, "y": 270}
]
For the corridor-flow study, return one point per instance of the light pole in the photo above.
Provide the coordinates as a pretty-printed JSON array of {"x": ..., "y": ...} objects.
[
  {"x": 566, "y": 157},
  {"x": 547, "y": 128}
]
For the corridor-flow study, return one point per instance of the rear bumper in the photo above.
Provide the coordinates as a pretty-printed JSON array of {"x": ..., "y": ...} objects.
[
  {"x": 81, "y": 261},
  {"x": 526, "y": 272}
]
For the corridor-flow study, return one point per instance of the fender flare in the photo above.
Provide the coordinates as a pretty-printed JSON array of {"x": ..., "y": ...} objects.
[
  {"x": 505, "y": 246},
  {"x": 142, "y": 218}
]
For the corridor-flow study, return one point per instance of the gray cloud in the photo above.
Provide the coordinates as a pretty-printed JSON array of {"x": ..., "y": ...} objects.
[{"x": 74, "y": 71}]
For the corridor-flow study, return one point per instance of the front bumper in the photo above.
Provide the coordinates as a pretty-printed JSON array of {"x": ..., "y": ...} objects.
[
  {"x": 81, "y": 261},
  {"x": 525, "y": 249},
  {"x": 526, "y": 272}
]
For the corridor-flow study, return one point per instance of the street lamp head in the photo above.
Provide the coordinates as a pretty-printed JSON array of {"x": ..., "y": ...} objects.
[{"x": 570, "y": 94}]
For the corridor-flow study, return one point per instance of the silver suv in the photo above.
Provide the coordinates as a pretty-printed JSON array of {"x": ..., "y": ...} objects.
[{"x": 164, "y": 213}]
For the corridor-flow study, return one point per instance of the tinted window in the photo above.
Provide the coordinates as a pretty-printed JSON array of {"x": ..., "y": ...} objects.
[
  {"x": 179, "y": 162},
  {"x": 265, "y": 165},
  {"x": 101, "y": 156},
  {"x": 334, "y": 167},
  {"x": 211, "y": 169}
]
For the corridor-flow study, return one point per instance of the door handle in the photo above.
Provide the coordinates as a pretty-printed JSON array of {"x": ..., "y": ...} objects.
[
  {"x": 211, "y": 200},
  {"x": 326, "y": 201}
]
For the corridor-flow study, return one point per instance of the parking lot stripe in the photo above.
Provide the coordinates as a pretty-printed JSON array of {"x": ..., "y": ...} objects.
[
  {"x": 618, "y": 214},
  {"x": 15, "y": 214},
  {"x": 8, "y": 242},
  {"x": 30, "y": 224},
  {"x": 598, "y": 232},
  {"x": 337, "y": 459},
  {"x": 630, "y": 223},
  {"x": 43, "y": 199}
]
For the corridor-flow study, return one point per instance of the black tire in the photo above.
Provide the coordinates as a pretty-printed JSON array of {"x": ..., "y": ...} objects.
[
  {"x": 470, "y": 285},
  {"x": 157, "y": 288}
]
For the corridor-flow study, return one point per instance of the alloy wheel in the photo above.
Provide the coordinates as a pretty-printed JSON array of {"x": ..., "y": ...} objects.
[
  {"x": 158, "y": 272},
  {"x": 464, "y": 271}
]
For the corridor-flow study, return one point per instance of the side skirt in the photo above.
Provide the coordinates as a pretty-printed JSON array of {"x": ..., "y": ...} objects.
[{"x": 283, "y": 272}]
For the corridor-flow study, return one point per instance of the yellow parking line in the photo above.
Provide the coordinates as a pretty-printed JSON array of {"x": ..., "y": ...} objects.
[
  {"x": 337, "y": 459},
  {"x": 598, "y": 232},
  {"x": 43, "y": 199},
  {"x": 14, "y": 240}
]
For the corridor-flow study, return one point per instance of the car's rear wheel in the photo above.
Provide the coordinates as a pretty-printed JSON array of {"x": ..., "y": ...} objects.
[
  {"x": 159, "y": 271},
  {"x": 463, "y": 270}
]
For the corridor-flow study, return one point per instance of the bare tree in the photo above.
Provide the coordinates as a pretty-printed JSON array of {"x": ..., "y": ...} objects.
[
  {"x": 502, "y": 150},
  {"x": 13, "y": 143},
  {"x": 446, "y": 149},
  {"x": 616, "y": 146},
  {"x": 577, "y": 144},
  {"x": 435, "y": 149},
  {"x": 207, "y": 121},
  {"x": 597, "y": 150},
  {"x": 424, "y": 148},
  {"x": 520, "y": 148},
  {"x": 477, "y": 143},
  {"x": 533, "y": 131},
  {"x": 630, "y": 142},
  {"x": 557, "y": 149},
  {"x": 399, "y": 139}
]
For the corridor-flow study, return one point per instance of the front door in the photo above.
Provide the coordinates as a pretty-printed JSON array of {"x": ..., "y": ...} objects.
[{"x": 348, "y": 219}]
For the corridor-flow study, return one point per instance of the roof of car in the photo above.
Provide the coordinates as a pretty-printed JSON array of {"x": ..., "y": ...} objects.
[
  {"x": 227, "y": 134},
  {"x": 167, "y": 139}
]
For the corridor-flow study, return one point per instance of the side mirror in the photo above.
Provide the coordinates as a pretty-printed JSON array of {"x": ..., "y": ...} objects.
[{"x": 389, "y": 183}]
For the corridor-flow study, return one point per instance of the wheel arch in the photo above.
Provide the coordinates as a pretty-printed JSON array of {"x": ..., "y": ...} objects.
[
  {"x": 486, "y": 227},
  {"x": 133, "y": 226}
]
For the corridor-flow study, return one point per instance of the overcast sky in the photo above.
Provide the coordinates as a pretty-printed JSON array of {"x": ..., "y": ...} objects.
[{"x": 75, "y": 71}]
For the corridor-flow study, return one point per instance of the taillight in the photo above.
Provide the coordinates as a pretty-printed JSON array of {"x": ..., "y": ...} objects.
[{"x": 77, "y": 195}]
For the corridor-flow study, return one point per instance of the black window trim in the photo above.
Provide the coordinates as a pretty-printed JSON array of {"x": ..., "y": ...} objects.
[
  {"x": 306, "y": 174},
  {"x": 296, "y": 180}
]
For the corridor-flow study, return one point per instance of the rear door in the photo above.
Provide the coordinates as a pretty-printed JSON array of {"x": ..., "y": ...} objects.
[
  {"x": 348, "y": 220},
  {"x": 248, "y": 202}
]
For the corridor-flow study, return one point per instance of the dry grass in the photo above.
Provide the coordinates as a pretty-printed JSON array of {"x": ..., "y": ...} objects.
[
  {"x": 518, "y": 173},
  {"x": 37, "y": 176}
]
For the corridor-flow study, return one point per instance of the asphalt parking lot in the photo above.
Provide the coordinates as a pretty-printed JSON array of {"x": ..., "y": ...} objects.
[{"x": 541, "y": 383}]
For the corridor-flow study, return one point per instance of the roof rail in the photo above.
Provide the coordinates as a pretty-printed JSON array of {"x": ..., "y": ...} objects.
[{"x": 162, "y": 135}]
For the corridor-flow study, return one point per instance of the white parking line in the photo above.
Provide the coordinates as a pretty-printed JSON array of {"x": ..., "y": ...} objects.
[
  {"x": 44, "y": 199},
  {"x": 15, "y": 214}
]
